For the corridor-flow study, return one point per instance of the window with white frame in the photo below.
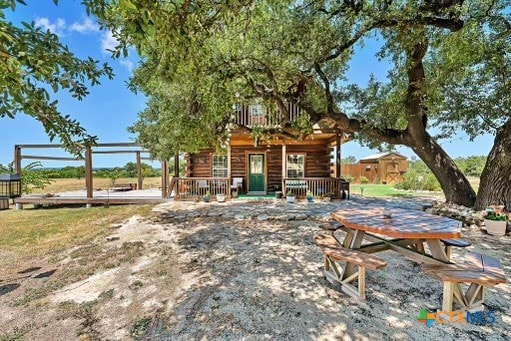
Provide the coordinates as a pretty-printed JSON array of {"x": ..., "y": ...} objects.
[
  {"x": 295, "y": 165},
  {"x": 219, "y": 166}
]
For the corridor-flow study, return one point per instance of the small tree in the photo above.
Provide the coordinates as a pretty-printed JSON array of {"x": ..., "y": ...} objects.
[{"x": 32, "y": 176}]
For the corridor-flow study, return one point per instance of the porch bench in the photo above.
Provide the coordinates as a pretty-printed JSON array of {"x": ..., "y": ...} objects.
[
  {"x": 333, "y": 252},
  {"x": 478, "y": 270},
  {"x": 122, "y": 187},
  {"x": 296, "y": 184}
]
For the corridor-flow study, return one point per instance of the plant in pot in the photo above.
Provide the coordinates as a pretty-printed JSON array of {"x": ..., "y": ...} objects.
[
  {"x": 207, "y": 197},
  {"x": 220, "y": 197},
  {"x": 278, "y": 191},
  {"x": 495, "y": 221},
  {"x": 328, "y": 196},
  {"x": 310, "y": 196},
  {"x": 290, "y": 197}
]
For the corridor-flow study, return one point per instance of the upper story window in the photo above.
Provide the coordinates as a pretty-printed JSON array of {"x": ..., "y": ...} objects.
[
  {"x": 219, "y": 166},
  {"x": 295, "y": 166},
  {"x": 257, "y": 110}
]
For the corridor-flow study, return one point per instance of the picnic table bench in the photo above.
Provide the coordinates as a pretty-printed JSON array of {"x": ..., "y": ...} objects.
[
  {"x": 334, "y": 252},
  {"x": 478, "y": 270}
]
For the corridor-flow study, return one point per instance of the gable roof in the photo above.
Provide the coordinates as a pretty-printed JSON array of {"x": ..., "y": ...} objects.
[{"x": 381, "y": 155}]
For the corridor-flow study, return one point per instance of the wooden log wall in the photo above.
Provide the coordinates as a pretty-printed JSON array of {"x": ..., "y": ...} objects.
[{"x": 317, "y": 162}]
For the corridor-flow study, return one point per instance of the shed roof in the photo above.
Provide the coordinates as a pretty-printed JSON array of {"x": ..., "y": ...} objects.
[{"x": 382, "y": 155}]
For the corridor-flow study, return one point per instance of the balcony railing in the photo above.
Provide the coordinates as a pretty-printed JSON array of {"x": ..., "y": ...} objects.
[
  {"x": 196, "y": 188},
  {"x": 258, "y": 115},
  {"x": 317, "y": 186}
]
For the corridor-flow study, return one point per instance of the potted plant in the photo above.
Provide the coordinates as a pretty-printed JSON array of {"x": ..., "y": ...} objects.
[
  {"x": 328, "y": 196},
  {"x": 220, "y": 197},
  {"x": 290, "y": 197},
  {"x": 495, "y": 221},
  {"x": 278, "y": 192},
  {"x": 310, "y": 196},
  {"x": 207, "y": 197}
]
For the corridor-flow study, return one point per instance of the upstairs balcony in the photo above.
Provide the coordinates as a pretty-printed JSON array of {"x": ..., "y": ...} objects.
[{"x": 260, "y": 115}]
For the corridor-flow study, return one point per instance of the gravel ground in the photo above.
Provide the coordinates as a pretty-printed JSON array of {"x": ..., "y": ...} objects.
[{"x": 230, "y": 271}]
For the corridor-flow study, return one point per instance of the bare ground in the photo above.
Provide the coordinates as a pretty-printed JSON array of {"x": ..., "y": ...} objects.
[{"x": 210, "y": 277}]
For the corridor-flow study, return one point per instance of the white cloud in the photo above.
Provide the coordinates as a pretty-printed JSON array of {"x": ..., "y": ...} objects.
[
  {"x": 56, "y": 27},
  {"x": 128, "y": 64},
  {"x": 108, "y": 41},
  {"x": 83, "y": 27}
]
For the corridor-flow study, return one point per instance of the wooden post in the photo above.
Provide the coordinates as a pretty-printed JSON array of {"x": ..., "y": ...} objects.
[
  {"x": 284, "y": 175},
  {"x": 139, "y": 171},
  {"x": 164, "y": 179},
  {"x": 88, "y": 171},
  {"x": 338, "y": 156},
  {"x": 176, "y": 165},
  {"x": 17, "y": 160},
  {"x": 229, "y": 169}
]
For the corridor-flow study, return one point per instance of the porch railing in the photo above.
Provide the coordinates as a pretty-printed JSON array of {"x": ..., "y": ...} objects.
[
  {"x": 267, "y": 118},
  {"x": 195, "y": 188},
  {"x": 317, "y": 186}
]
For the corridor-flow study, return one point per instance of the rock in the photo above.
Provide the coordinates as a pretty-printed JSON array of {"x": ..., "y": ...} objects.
[
  {"x": 239, "y": 217},
  {"x": 262, "y": 217},
  {"x": 112, "y": 238}
]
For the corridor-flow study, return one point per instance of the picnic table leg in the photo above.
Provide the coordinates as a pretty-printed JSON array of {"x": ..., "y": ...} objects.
[
  {"x": 437, "y": 249},
  {"x": 354, "y": 243}
]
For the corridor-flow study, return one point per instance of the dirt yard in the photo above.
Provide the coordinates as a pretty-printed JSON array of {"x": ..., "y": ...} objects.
[{"x": 196, "y": 272}]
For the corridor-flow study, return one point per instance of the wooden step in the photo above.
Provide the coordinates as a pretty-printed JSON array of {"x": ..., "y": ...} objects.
[{"x": 336, "y": 252}]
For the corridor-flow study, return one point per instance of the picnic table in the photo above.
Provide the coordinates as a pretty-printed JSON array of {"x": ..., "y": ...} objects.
[{"x": 406, "y": 232}]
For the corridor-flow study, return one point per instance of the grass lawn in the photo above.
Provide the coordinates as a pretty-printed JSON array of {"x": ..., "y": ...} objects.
[
  {"x": 372, "y": 190},
  {"x": 38, "y": 232},
  {"x": 65, "y": 185}
]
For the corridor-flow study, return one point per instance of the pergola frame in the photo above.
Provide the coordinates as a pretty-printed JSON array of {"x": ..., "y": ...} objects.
[{"x": 89, "y": 151}]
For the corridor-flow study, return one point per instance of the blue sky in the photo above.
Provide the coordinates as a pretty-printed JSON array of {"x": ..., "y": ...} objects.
[{"x": 111, "y": 107}]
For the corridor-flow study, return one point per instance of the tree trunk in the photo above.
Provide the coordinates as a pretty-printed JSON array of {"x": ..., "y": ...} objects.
[
  {"x": 495, "y": 185},
  {"x": 454, "y": 184}
]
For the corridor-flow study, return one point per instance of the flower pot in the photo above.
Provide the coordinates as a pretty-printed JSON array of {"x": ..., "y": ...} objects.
[
  {"x": 495, "y": 227},
  {"x": 220, "y": 197},
  {"x": 310, "y": 199},
  {"x": 206, "y": 198},
  {"x": 290, "y": 198},
  {"x": 278, "y": 195}
]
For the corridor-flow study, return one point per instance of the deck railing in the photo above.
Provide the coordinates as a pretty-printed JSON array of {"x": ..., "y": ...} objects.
[
  {"x": 317, "y": 186},
  {"x": 245, "y": 116},
  {"x": 196, "y": 188}
]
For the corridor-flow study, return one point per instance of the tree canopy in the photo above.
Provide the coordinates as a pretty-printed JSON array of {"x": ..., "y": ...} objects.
[
  {"x": 34, "y": 63},
  {"x": 201, "y": 57}
]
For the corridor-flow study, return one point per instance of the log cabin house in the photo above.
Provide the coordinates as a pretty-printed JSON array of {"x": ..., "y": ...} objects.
[{"x": 254, "y": 167}]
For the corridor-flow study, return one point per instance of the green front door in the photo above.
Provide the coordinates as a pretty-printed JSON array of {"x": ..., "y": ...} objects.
[{"x": 256, "y": 176}]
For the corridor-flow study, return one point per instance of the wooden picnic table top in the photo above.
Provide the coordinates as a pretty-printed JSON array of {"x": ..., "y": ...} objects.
[{"x": 408, "y": 224}]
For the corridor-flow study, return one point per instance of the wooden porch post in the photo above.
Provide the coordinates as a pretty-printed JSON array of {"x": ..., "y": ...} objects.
[
  {"x": 88, "y": 171},
  {"x": 284, "y": 159},
  {"x": 338, "y": 156},
  {"x": 176, "y": 165},
  {"x": 17, "y": 160},
  {"x": 164, "y": 179},
  {"x": 139, "y": 172}
]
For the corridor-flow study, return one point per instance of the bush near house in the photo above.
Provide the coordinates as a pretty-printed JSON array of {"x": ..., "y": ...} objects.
[{"x": 419, "y": 178}]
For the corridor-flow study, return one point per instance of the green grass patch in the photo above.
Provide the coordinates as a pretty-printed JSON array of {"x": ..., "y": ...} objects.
[
  {"x": 44, "y": 231},
  {"x": 372, "y": 190}
]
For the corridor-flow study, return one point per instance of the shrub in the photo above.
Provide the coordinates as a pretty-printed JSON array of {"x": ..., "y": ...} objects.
[
  {"x": 348, "y": 177},
  {"x": 418, "y": 178},
  {"x": 363, "y": 180}
]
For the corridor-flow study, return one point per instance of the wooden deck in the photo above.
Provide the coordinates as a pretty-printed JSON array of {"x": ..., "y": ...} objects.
[{"x": 99, "y": 198}]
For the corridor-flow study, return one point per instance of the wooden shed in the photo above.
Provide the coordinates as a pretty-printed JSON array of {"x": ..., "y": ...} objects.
[{"x": 384, "y": 168}]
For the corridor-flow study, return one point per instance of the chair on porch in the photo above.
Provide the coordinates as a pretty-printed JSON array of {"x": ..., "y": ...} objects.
[{"x": 237, "y": 184}]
